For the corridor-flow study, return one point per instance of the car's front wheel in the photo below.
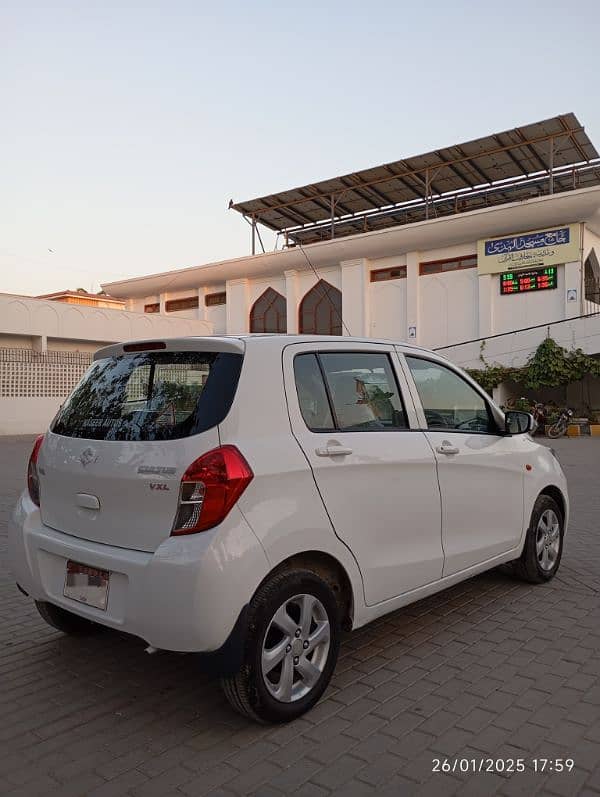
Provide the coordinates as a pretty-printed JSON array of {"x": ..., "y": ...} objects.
[
  {"x": 542, "y": 551},
  {"x": 291, "y": 648}
]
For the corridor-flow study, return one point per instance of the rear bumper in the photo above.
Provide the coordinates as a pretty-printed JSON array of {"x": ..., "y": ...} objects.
[{"x": 187, "y": 596}]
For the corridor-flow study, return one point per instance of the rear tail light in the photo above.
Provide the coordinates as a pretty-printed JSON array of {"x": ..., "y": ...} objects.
[
  {"x": 209, "y": 489},
  {"x": 33, "y": 482}
]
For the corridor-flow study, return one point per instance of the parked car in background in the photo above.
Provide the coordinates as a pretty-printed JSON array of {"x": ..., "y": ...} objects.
[{"x": 248, "y": 498}]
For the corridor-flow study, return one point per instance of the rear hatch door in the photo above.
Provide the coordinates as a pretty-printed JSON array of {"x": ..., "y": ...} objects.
[{"x": 111, "y": 465}]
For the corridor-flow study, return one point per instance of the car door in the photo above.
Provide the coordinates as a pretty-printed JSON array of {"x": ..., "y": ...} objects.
[
  {"x": 376, "y": 476},
  {"x": 481, "y": 471}
]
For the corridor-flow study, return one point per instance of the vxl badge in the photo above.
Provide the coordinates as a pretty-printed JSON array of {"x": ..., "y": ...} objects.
[{"x": 87, "y": 456}]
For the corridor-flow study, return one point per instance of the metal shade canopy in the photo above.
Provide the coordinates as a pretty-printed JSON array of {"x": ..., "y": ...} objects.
[{"x": 551, "y": 156}]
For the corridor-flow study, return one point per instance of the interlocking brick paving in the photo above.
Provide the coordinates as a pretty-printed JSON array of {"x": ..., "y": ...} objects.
[{"x": 491, "y": 668}]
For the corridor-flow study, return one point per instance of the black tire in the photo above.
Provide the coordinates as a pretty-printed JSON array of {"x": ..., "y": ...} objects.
[
  {"x": 556, "y": 430},
  {"x": 528, "y": 566},
  {"x": 65, "y": 621},
  {"x": 246, "y": 690}
]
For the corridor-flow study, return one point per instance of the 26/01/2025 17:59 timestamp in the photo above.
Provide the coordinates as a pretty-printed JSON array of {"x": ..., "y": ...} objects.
[{"x": 502, "y": 765}]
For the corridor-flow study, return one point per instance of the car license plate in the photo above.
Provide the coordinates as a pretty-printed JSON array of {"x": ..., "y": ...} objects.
[{"x": 87, "y": 585}]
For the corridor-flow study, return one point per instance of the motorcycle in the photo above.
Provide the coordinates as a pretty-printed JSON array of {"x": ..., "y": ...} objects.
[
  {"x": 559, "y": 428},
  {"x": 539, "y": 416}
]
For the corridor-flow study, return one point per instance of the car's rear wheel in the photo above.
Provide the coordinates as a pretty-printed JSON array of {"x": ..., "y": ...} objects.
[
  {"x": 291, "y": 648},
  {"x": 542, "y": 552},
  {"x": 65, "y": 621}
]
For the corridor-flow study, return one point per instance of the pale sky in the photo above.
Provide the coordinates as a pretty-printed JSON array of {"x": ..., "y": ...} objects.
[{"x": 125, "y": 128}]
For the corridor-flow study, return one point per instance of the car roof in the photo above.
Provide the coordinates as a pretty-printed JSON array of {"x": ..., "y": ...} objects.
[
  {"x": 240, "y": 342},
  {"x": 282, "y": 340}
]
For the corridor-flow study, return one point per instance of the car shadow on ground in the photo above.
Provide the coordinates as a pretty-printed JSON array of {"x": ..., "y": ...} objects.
[{"x": 109, "y": 673}]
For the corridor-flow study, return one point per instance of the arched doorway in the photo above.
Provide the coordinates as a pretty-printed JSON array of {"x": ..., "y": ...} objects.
[
  {"x": 269, "y": 313},
  {"x": 321, "y": 310}
]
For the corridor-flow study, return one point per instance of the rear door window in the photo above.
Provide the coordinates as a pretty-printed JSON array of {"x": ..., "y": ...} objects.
[
  {"x": 348, "y": 391},
  {"x": 363, "y": 391},
  {"x": 151, "y": 396},
  {"x": 312, "y": 396}
]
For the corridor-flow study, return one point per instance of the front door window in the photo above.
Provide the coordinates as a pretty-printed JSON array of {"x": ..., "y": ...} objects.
[{"x": 449, "y": 403}]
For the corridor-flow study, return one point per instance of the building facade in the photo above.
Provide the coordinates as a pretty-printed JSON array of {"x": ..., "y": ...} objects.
[
  {"x": 481, "y": 249},
  {"x": 430, "y": 282}
]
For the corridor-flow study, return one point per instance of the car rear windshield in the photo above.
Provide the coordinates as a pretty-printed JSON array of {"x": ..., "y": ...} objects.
[{"x": 151, "y": 396}]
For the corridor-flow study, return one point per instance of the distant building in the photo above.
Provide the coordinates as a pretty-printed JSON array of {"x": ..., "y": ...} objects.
[
  {"x": 46, "y": 345},
  {"x": 82, "y": 297},
  {"x": 484, "y": 245}
]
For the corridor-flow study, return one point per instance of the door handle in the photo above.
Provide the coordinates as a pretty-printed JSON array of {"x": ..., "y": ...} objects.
[
  {"x": 333, "y": 451},
  {"x": 447, "y": 448},
  {"x": 87, "y": 501}
]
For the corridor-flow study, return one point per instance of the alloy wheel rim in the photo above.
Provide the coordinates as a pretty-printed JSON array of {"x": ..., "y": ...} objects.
[
  {"x": 295, "y": 648},
  {"x": 547, "y": 540}
]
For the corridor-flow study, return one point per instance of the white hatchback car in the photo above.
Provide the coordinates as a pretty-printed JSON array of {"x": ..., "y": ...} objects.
[{"x": 248, "y": 498}]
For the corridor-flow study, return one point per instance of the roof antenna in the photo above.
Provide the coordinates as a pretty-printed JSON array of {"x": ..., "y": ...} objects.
[{"x": 325, "y": 293}]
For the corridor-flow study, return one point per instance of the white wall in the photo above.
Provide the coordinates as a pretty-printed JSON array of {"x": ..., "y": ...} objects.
[
  {"x": 444, "y": 308},
  {"x": 40, "y": 318},
  {"x": 448, "y": 308},
  {"x": 24, "y": 415},
  {"x": 307, "y": 279},
  {"x": 259, "y": 286},
  {"x": 514, "y": 348},
  {"x": 388, "y": 309},
  {"x": 217, "y": 317},
  {"x": 35, "y": 324}
]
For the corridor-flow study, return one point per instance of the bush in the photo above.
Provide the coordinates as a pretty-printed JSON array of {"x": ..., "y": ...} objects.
[{"x": 550, "y": 365}]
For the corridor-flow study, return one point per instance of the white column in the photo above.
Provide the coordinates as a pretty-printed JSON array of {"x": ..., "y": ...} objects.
[
  {"x": 573, "y": 299},
  {"x": 355, "y": 304},
  {"x": 39, "y": 343},
  {"x": 238, "y": 306},
  {"x": 412, "y": 297},
  {"x": 202, "y": 308},
  {"x": 485, "y": 285},
  {"x": 292, "y": 300},
  {"x": 500, "y": 394},
  {"x": 162, "y": 298}
]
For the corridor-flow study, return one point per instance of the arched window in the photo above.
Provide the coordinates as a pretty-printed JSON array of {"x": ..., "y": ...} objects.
[
  {"x": 321, "y": 310},
  {"x": 269, "y": 313}
]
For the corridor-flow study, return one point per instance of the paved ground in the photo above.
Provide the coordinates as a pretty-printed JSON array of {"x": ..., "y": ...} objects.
[{"x": 489, "y": 669}]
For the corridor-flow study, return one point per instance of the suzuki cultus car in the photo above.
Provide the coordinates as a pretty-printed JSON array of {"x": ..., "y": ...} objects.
[{"x": 248, "y": 498}]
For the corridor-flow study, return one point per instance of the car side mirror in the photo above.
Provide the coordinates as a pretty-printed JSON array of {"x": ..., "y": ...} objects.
[{"x": 518, "y": 422}]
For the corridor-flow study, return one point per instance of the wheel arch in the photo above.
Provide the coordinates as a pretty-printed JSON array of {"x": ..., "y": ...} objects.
[
  {"x": 554, "y": 492},
  {"x": 330, "y": 570}
]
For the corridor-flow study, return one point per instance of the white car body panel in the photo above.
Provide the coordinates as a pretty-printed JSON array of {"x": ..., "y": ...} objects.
[
  {"x": 482, "y": 497},
  {"x": 383, "y": 498},
  {"x": 136, "y": 509},
  {"x": 282, "y": 503},
  {"x": 185, "y": 596},
  {"x": 488, "y": 487},
  {"x": 186, "y": 593}
]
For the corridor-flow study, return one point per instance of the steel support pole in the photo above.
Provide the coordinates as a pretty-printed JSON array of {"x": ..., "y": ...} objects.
[
  {"x": 426, "y": 193},
  {"x": 551, "y": 164},
  {"x": 332, "y": 203},
  {"x": 253, "y": 235}
]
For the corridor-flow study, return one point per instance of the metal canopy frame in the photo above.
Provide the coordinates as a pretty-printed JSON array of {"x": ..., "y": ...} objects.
[{"x": 546, "y": 157}]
